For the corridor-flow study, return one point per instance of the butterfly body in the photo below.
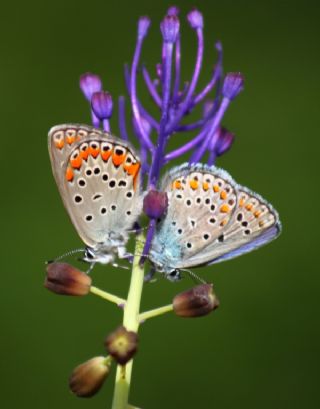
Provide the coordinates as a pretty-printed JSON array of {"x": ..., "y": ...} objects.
[
  {"x": 98, "y": 177},
  {"x": 210, "y": 218}
]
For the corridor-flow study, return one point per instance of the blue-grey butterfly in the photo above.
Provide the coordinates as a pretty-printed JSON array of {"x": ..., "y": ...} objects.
[
  {"x": 98, "y": 177},
  {"x": 210, "y": 218}
]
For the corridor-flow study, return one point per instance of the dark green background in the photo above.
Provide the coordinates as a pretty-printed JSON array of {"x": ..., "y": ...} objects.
[{"x": 260, "y": 349}]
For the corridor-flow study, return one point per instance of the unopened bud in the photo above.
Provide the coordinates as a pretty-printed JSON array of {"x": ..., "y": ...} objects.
[
  {"x": 87, "y": 378},
  {"x": 195, "y": 19},
  {"x": 90, "y": 83},
  {"x": 196, "y": 302},
  {"x": 101, "y": 104},
  {"x": 170, "y": 26},
  {"x": 64, "y": 279},
  {"x": 155, "y": 204},
  {"x": 122, "y": 345},
  {"x": 232, "y": 85}
]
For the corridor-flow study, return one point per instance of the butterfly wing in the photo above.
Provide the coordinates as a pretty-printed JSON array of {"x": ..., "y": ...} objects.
[
  {"x": 209, "y": 218},
  {"x": 98, "y": 179}
]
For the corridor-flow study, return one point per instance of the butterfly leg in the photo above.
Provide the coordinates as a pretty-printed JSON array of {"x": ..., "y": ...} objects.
[
  {"x": 90, "y": 268},
  {"x": 149, "y": 278}
]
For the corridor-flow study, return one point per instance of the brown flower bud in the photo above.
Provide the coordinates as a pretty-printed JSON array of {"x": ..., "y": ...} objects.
[
  {"x": 87, "y": 378},
  {"x": 62, "y": 278},
  {"x": 155, "y": 204},
  {"x": 122, "y": 345},
  {"x": 196, "y": 302}
]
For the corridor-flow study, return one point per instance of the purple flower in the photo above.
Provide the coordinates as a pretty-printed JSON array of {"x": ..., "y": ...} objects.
[{"x": 174, "y": 98}]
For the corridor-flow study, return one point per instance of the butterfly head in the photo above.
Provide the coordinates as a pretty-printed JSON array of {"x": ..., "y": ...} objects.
[{"x": 173, "y": 275}]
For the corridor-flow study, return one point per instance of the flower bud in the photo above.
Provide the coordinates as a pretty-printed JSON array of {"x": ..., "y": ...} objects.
[
  {"x": 224, "y": 141},
  {"x": 143, "y": 26},
  {"x": 64, "y": 279},
  {"x": 122, "y": 344},
  {"x": 170, "y": 28},
  {"x": 89, "y": 84},
  {"x": 232, "y": 85},
  {"x": 173, "y": 11},
  {"x": 101, "y": 104},
  {"x": 155, "y": 204},
  {"x": 87, "y": 378},
  {"x": 195, "y": 19},
  {"x": 196, "y": 302}
]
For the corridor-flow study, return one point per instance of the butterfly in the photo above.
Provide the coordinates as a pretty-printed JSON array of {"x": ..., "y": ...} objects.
[
  {"x": 98, "y": 177},
  {"x": 210, "y": 218}
]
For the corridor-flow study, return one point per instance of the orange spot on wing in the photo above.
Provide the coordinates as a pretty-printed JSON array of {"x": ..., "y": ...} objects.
[
  {"x": 249, "y": 207},
  {"x": 224, "y": 222},
  {"x": 224, "y": 208},
  {"x": 194, "y": 184},
  {"x": 118, "y": 159},
  {"x": 176, "y": 184},
  {"x": 241, "y": 202},
  {"x": 94, "y": 152},
  {"x": 216, "y": 188},
  {"x": 69, "y": 174},
  {"x": 76, "y": 162},
  {"x": 223, "y": 195},
  {"x": 257, "y": 213},
  {"x": 84, "y": 154},
  {"x": 106, "y": 154},
  {"x": 70, "y": 139},
  {"x": 205, "y": 186},
  {"x": 133, "y": 170},
  {"x": 261, "y": 224},
  {"x": 59, "y": 144}
]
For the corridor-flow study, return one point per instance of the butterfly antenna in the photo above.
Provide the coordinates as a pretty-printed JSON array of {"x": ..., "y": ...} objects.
[
  {"x": 68, "y": 254},
  {"x": 195, "y": 277}
]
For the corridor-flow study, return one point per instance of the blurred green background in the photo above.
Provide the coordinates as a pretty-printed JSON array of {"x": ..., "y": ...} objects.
[{"x": 260, "y": 349}]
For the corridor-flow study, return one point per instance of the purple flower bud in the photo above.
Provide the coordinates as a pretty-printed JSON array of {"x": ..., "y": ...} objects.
[
  {"x": 89, "y": 84},
  {"x": 145, "y": 124},
  {"x": 101, "y": 104},
  {"x": 155, "y": 204},
  {"x": 122, "y": 345},
  {"x": 195, "y": 19},
  {"x": 87, "y": 378},
  {"x": 232, "y": 85},
  {"x": 170, "y": 28},
  {"x": 224, "y": 141},
  {"x": 64, "y": 279},
  {"x": 173, "y": 11},
  {"x": 196, "y": 302},
  {"x": 143, "y": 26}
]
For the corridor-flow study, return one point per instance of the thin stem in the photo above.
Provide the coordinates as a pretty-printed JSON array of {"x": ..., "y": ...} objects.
[
  {"x": 131, "y": 323},
  {"x": 122, "y": 119},
  {"x": 108, "y": 296},
  {"x": 155, "y": 312}
]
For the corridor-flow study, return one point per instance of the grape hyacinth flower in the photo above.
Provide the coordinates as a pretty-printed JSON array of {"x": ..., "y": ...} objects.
[{"x": 175, "y": 100}]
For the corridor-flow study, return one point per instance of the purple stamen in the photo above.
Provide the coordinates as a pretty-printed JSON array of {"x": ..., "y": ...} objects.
[
  {"x": 143, "y": 26},
  {"x": 151, "y": 86},
  {"x": 122, "y": 118},
  {"x": 185, "y": 104},
  {"x": 217, "y": 72}
]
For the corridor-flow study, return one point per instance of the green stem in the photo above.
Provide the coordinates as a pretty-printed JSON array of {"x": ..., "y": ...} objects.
[
  {"x": 131, "y": 323},
  {"x": 155, "y": 312},
  {"x": 107, "y": 296}
]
